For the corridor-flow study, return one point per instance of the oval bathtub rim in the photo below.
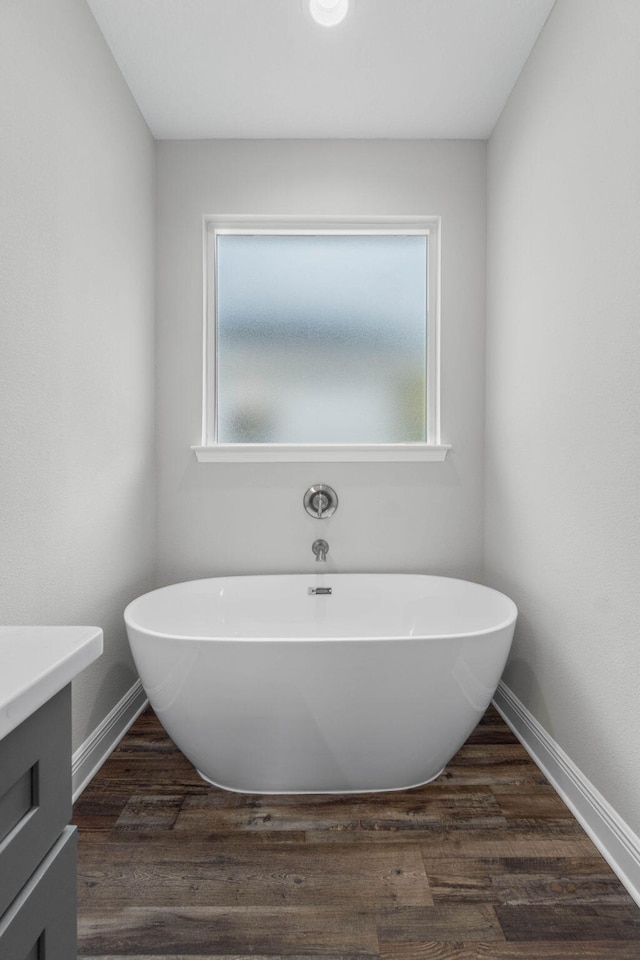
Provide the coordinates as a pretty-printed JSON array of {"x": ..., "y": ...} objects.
[{"x": 508, "y": 622}]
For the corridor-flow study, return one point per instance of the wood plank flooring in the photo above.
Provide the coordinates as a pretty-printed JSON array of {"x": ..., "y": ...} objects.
[{"x": 486, "y": 863}]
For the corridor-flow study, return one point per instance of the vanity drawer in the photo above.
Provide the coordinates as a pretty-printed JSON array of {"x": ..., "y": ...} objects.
[
  {"x": 41, "y": 923},
  {"x": 35, "y": 792}
]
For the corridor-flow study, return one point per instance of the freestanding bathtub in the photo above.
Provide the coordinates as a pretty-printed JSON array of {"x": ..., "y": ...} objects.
[{"x": 328, "y": 683}]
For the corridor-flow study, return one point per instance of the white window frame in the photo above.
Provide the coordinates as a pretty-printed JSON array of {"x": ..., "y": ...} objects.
[{"x": 209, "y": 450}]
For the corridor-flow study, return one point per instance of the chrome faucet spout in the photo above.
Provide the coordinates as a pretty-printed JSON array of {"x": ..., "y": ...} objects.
[{"x": 320, "y": 549}]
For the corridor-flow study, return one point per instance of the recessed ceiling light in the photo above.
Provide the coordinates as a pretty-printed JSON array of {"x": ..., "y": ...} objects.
[{"x": 328, "y": 13}]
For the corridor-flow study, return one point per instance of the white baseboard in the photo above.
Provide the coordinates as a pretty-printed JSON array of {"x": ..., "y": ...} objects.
[
  {"x": 89, "y": 757},
  {"x": 615, "y": 840}
]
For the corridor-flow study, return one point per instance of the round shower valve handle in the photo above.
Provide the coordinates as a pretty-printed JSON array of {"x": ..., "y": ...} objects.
[{"x": 320, "y": 501}]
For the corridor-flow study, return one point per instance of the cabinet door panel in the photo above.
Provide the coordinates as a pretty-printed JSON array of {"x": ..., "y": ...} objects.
[
  {"x": 35, "y": 792},
  {"x": 42, "y": 920}
]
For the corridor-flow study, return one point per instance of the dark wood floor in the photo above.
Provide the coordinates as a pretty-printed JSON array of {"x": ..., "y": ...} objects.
[{"x": 486, "y": 863}]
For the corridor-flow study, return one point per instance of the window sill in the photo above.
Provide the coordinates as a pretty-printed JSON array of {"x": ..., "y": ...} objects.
[{"x": 320, "y": 453}]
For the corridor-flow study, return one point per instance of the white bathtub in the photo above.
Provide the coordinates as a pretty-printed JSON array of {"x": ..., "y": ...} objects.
[{"x": 269, "y": 688}]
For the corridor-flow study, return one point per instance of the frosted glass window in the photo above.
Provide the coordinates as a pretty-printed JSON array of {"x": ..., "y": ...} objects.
[{"x": 321, "y": 338}]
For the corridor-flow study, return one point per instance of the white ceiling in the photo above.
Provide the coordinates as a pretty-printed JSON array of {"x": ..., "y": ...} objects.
[{"x": 202, "y": 69}]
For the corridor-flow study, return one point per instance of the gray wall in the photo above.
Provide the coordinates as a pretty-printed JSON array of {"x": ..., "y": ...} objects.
[
  {"x": 243, "y": 518},
  {"x": 77, "y": 171},
  {"x": 563, "y": 404}
]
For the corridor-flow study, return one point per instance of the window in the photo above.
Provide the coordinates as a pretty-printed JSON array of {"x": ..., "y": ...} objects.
[{"x": 321, "y": 340}]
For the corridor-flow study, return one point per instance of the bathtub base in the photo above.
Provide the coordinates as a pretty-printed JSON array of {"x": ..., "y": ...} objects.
[{"x": 298, "y": 793}]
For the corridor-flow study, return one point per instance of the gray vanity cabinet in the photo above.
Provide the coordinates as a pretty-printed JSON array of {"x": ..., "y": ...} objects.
[{"x": 38, "y": 873}]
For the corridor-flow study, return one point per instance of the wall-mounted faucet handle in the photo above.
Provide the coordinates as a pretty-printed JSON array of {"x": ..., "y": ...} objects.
[
  {"x": 320, "y": 549},
  {"x": 320, "y": 501}
]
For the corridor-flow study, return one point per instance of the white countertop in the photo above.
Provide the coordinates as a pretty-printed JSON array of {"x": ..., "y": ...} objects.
[{"x": 37, "y": 662}]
